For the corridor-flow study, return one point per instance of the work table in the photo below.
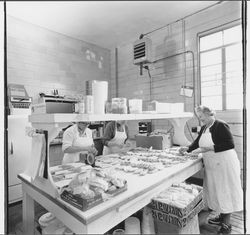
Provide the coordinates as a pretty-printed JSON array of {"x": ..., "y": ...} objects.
[{"x": 101, "y": 218}]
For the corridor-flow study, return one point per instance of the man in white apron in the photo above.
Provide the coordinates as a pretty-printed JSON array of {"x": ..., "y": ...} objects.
[
  {"x": 77, "y": 139},
  {"x": 115, "y": 136},
  {"x": 222, "y": 184}
]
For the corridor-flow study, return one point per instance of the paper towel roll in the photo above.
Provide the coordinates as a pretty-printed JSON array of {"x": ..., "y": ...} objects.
[
  {"x": 100, "y": 93},
  {"x": 132, "y": 225}
]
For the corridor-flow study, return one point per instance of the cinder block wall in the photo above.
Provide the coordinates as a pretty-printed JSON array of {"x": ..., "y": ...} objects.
[
  {"x": 43, "y": 60},
  {"x": 169, "y": 74}
]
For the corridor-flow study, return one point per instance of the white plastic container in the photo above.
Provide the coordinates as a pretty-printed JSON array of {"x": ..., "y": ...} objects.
[
  {"x": 132, "y": 225},
  {"x": 89, "y": 104},
  {"x": 135, "y": 105},
  {"x": 100, "y": 94},
  {"x": 51, "y": 225}
]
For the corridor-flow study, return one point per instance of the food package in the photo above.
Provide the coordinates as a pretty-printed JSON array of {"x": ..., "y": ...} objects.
[{"x": 88, "y": 189}]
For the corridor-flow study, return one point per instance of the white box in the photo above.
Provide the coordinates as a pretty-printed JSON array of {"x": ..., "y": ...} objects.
[
  {"x": 177, "y": 107},
  {"x": 135, "y": 105},
  {"x": 159, "y": 107}
]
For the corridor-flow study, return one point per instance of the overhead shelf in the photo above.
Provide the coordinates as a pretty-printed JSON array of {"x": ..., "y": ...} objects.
[{"x": 67, "y": 118}]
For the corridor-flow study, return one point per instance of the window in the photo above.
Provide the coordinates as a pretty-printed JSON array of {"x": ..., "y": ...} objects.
[{"x": 221, "y": 69}]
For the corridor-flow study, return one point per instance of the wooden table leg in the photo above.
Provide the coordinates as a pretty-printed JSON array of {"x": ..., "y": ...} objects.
[{"x": 28, "y": 214}]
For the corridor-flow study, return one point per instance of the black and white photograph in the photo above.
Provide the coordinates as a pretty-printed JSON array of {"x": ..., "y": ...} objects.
[{"x": 124, "y": 117}]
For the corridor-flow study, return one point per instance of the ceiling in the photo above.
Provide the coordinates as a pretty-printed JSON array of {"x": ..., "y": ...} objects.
[{"x": 105, "y": 23}]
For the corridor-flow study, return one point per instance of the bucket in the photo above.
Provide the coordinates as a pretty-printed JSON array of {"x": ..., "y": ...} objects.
[
  {"x": 132, "y": 225},
  {"x": 119, "y": 231}
]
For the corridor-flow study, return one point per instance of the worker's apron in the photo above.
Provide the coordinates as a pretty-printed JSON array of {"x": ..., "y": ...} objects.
[
  {"x": 222, "y": 185},
  {"x": 80, "y": 141},
  {"x": 119, "y": 138}
]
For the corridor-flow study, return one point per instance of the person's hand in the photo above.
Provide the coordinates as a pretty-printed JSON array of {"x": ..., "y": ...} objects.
[
  {"x": 183, "y": 149},
  {"x": 93, "y": 150},
  {"x": 128, "y": 144}
]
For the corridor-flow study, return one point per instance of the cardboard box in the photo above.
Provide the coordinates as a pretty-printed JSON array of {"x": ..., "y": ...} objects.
[
  {"x": 176, "y": 211},
  {"x": 175, "y": 220},
  {"x": 155, "y": 141},
  {"x": 79, "y": 202},
  {"x": 159, "y": 107},
  {"x": 85, "y": 204}
]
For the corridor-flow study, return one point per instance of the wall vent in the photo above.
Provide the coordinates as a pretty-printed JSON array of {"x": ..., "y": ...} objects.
[{"x": 142, "y": 51}]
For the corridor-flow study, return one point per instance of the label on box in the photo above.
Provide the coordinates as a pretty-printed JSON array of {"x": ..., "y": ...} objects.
[
  {"x": 168, "y": 209},
  {"x": 175, "y": 220}
]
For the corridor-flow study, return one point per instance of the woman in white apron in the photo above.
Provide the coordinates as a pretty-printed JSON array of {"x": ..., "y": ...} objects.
[
  {"x": 115, "y": 136},
  {"x": 77, "y": 139},
  {"x": 222, "y": 184}
]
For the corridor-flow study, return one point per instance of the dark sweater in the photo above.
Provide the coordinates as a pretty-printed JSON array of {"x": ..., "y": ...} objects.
[
  {"x": 221, "y": 136},
  {"x": 109, "y": 132}
]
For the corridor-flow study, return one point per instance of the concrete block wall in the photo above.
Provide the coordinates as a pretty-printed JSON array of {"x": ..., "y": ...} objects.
[
  {"x": 43, "y": 60},
  {"x": 169, "y": 74}
]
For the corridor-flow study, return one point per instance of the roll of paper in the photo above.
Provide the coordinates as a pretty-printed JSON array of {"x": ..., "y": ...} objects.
[{"x": 100, "y": 93}]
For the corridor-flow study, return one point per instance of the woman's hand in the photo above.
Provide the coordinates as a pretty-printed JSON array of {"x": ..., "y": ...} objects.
[
  {"x": 93, "y": 150},
  {"x": 183, "y": 149}
]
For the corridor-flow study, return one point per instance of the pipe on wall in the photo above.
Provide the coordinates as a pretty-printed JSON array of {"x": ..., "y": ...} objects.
[{"x": 116, "y": 73}]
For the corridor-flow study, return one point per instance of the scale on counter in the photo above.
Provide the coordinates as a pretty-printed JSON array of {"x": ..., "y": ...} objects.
[{"x": 19, "y": 101}]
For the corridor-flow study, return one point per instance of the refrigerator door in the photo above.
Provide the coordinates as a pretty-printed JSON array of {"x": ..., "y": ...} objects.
[{"x": 19, "y": 150}]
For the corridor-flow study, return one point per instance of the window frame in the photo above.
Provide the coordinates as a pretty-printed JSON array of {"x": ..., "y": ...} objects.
[{"x": 223, "y": 49}]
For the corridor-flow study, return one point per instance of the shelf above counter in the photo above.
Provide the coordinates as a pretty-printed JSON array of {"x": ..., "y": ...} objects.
[{"x": 68, "y": 118}]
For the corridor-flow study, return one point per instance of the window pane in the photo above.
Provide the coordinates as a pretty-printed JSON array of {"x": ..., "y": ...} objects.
[
  {"x": 213, "y": 70},
  {"x": 234, "y": 102},
  {"x": 211, "y": 58},
  {"x": 234, "y": 86},
  {"x": 238, "y": 75},
  {"x": 215, "y": 102},
  {"x": 211, "y": 91},
  {"x": 234, "y": 53},
  {"x": 211, "y": 41},
  {"x": 233, "y": 34}
]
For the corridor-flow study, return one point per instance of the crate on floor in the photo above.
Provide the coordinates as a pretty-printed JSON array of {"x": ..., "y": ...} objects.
[
  {"x": 192, "y": 227},
  {"x": 170, "y": 218}
]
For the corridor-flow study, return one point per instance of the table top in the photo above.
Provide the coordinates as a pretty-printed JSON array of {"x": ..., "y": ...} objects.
[{"x": 137, "y": 186}]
